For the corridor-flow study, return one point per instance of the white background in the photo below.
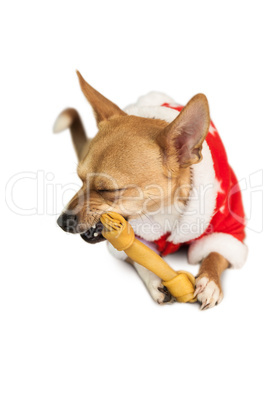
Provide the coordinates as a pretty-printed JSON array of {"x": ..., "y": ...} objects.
[{"x": 75, "y": 324}]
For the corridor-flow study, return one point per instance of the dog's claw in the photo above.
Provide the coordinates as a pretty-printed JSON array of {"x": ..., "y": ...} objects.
[
  {"x": 168, "y": 296},
  {"x": 163, "y": 290},
  {"x": 205, "y": 306},
  {"x": 197, "y": 290}
]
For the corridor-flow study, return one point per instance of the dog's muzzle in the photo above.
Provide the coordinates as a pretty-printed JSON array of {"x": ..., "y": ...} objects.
[
  {"x": 69, "y": 223},
  {"x": 93, "y": 235}
]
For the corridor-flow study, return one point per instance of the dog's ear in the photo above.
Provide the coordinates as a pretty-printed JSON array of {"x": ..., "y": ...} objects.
[
  {"x": 103, "y": 108},
  {"x": 181, "y": 141}
]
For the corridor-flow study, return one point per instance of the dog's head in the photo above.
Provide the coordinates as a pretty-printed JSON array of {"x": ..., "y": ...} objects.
[{"x": 134, "y": 166}]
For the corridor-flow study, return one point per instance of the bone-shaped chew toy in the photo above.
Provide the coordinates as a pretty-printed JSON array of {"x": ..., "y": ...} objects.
[{"x": 121, "y": 235}]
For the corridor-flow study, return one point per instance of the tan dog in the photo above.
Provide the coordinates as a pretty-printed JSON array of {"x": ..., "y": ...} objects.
[{"x": 141, "y": 168}]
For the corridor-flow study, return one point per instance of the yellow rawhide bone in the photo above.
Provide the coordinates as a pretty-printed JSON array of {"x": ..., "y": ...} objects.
[{"x": 120, "y": 234}]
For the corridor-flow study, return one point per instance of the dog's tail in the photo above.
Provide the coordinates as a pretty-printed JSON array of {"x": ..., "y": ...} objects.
[{"x": 69, "y": 118}]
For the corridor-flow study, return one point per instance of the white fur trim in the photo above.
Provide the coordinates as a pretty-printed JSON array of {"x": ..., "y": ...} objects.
[
  {"x": 154, "y": 99},
  {"x": 149, "y": 106},
  {"x": 225, "y": 244},
  {"x": 152, "y": 112}
]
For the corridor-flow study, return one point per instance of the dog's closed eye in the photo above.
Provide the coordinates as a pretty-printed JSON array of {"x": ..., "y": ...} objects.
[
  {"x": 111, "y": 194},
  {"x": 110, "y": 190}
]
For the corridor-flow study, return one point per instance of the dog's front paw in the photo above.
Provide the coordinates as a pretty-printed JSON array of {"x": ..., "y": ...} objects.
[
  {"x": 208, "y": 293},
  {"x": 159, "y": 293}
]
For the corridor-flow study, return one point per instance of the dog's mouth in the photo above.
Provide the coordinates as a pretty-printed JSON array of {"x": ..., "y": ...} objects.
[{"x": 93, "y": 235}]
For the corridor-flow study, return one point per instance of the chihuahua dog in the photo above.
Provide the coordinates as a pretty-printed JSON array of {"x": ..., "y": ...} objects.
[{"x": 164, "y": 168}]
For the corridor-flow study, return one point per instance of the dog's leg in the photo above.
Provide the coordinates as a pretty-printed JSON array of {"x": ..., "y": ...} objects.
[
  {"x": 208, "y": 285},
  {"x": 153, "y": 283}
]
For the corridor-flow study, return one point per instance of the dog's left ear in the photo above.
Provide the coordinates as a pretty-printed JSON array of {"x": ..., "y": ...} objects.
[
  {"x": 103, "y": 108},
  {"x": 181, "y": 141}
]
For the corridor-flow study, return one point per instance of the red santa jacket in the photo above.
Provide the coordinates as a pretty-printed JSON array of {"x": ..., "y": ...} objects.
[{"x": 221, "y": 224}]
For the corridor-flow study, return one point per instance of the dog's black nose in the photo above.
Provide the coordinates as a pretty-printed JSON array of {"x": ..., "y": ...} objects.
[{"x": 68, "y": 222}]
